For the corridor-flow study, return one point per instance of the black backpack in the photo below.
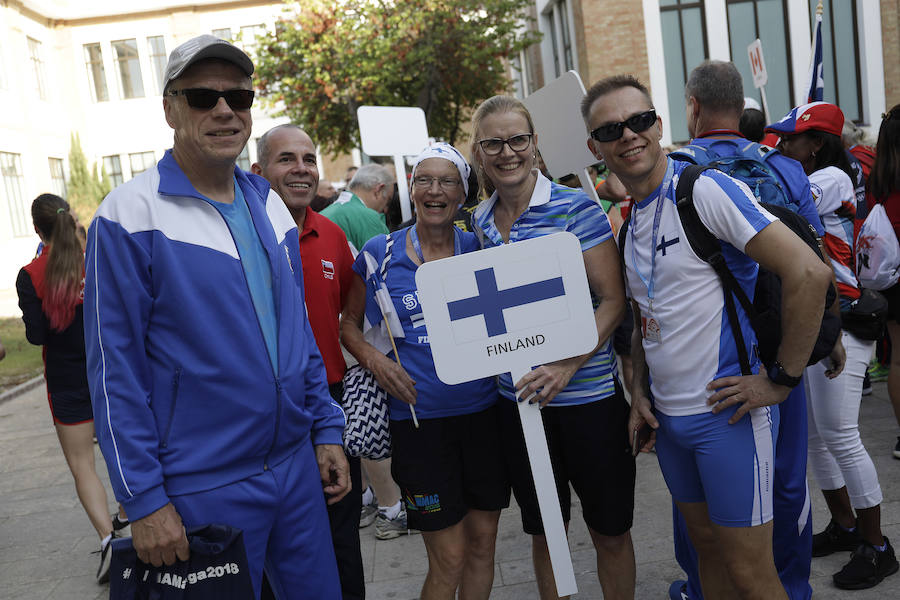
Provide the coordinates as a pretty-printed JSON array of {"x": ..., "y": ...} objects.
[{"x": 765, "y": 310}]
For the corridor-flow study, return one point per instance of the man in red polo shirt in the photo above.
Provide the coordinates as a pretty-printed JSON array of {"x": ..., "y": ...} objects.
[{"x": 287, "y": 159}]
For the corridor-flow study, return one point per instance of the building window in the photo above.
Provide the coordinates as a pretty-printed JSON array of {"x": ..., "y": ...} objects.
[
  {"x": 243, "y": 159},
  {"x": 57, "y": 177},
  {"x": 113, "y": 168},
  {"x": 140, "y": 162},
  {"x": 684, "y": 47},
  {"x": 4, "y": 84},
  {"x": 249, "y": 33},
  {"x": 11, "y": 193},
  {"x": 840, "y": 56},
  {"x": 93, "y": 58},
  {"x": 157, "y": 47},
  {"x": 223, "y": 34},
  {"x": 560, "y": 37},
  {"x": 766, "y": 20},
  {"x": 128, "y": 68},
  {"x": 37, "y": 64},
  {"x": 517, "y": 66}
]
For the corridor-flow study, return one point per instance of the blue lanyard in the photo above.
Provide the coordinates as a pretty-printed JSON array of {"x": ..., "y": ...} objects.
[
  {"x": 414, "y": 238},
  {"x": 662, "y": 198}
]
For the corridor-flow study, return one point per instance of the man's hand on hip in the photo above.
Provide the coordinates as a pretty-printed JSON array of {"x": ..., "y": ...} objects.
[
  {"x": 750, "y": 391},
  {"x": 334, "y": 470},
  {"x": 160, "y": 537}
]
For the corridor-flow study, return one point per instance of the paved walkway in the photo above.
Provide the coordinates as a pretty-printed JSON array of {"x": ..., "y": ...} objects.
[{"x": 46, "y": 539}]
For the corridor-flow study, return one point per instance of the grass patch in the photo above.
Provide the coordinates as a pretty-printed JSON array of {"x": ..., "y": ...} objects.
[{"x": 23, "y": 360}]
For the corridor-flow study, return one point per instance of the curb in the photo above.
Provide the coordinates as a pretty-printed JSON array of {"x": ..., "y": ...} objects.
[{"x": 21, "y": 389}]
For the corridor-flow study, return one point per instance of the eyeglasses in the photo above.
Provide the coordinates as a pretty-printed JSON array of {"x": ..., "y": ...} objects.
[
  {"x": 636, "y": 123},
  {"x": 205, "y": 99},
  {"x": 445, "y": 183},
  {"x": 516, "y": 143}
]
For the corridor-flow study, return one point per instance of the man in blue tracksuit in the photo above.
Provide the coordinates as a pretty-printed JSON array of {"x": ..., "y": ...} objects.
[
  {"x": 209, "y": 392},
  {"x": 715, "y": 99}
]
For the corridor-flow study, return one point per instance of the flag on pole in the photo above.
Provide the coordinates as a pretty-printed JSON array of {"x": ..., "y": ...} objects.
[
  {"x": 816, "y": 86},
  {"x": 380, "y": 322}
]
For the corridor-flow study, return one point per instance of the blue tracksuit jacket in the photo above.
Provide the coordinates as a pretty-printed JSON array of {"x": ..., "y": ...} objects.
[{"x": 185, "y": 397}]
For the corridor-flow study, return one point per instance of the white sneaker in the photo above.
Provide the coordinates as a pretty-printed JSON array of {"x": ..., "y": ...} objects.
[
  {"x": 368, "y": 513},
  {"x": 105, "y": 560},
  {"x": 388, "y": 529},
  {"x": 121, "y": 529}
]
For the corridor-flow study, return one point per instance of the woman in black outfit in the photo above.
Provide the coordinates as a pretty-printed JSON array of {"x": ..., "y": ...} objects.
[{"x": 51, "y": 292}]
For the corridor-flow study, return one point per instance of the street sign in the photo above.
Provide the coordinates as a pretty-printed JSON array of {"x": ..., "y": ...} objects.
[
  {"x": 757, "y": 64},
  {"x": 507, "y": 309},
  {"x": 395, "y": 131}
]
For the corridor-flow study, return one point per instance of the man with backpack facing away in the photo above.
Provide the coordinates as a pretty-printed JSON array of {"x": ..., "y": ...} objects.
[
  {"x": 715, "y": 429},
  {"x": 714, "y": 103}
]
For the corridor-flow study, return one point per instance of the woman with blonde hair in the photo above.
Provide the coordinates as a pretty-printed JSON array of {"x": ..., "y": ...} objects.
[
  {"x": 584, "y": 409},
  {"x": 51, "y": 292}
]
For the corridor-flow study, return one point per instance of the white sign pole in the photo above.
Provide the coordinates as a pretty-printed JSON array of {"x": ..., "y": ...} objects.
[
  {"x": 587, "y": 185},
  {"x": 502, "y": 310},
  {"x": 547, "y": 496},
  {"x": 402, "y": 188},
  {"x": 765, "y": 104}
]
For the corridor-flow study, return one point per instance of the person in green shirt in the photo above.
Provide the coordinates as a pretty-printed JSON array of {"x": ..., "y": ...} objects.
[{"x": 359, "y": 211}]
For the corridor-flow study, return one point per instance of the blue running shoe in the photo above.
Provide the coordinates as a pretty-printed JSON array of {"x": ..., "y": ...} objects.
[{"x": 678, "y": 590}]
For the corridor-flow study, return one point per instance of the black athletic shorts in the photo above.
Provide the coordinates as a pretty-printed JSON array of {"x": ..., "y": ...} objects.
[
  {"x": 448, "y": 466},
  {"x": 589, "y": 448},
  {"x": 71, "y": 407},
  {"x": 622, "y": 334}
]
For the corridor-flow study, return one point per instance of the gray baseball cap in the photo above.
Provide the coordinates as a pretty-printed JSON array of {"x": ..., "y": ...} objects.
[{"x": 205, "y": 46}]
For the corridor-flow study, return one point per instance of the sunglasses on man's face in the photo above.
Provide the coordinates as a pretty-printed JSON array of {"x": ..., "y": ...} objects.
[
  {"x": 205, "y": 99},
  {"x": 636, "y": 123}
]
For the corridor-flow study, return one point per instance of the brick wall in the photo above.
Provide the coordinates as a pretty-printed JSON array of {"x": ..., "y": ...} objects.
[
  {"x": 614, "y": 39},
  {"x": 890, "y": 40}
]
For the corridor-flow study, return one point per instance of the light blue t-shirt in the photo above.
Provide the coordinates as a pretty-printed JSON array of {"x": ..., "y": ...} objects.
[{"x": 256, "y": 266}]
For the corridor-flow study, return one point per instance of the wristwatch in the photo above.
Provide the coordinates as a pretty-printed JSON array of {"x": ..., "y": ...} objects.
[{"x": 780, "y": 377}]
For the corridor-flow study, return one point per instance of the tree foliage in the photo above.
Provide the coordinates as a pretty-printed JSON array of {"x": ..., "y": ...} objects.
[
  {"x": 86, "y": 187},
  {"x": 328, "y": 57}
]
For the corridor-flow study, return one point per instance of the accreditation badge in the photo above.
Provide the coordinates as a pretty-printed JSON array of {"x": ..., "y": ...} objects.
[{"x": 651, "y": 329}]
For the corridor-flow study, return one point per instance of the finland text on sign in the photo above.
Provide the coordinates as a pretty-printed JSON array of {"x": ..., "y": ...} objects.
[{"x": 492, "y": 311}]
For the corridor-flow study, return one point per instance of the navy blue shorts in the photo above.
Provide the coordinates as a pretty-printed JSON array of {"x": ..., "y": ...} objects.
[{"x": 71, "y": 407}]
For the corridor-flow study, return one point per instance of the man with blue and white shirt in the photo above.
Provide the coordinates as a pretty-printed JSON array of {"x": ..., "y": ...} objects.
[
  {"x": 715, "y": 99},
  {"x": 209, "y": 392},
  {"x": 714, "y": 428}
]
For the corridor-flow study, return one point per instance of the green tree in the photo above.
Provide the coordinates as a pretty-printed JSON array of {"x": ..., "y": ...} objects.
[
  {"x": 86, "y": 187},
  {"x": 328, "y": 57}
]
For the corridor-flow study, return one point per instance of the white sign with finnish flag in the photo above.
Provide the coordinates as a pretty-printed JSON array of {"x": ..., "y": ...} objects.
[{"x": 506, "y": 310}]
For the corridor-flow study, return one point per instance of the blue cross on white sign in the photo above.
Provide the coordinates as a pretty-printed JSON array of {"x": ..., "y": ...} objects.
[
  {"x": 506, "y": 308},
  {"x": 490, "y": 302}
]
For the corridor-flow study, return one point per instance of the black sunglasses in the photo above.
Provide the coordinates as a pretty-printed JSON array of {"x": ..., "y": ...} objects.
[
  {"x": 636, "y": 123},
  {"x": 205, "y": 99}
]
